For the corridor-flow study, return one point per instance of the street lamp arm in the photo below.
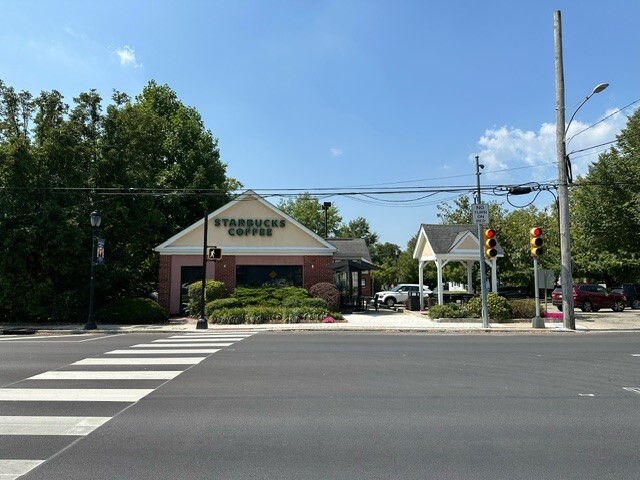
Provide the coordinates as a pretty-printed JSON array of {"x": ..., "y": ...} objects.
[{"x": 597, "y": 89}]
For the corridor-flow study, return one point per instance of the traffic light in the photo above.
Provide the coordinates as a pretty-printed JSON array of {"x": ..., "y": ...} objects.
[
  {"x": 536, "y": 242},
  {"x": 490, "y": 243}
]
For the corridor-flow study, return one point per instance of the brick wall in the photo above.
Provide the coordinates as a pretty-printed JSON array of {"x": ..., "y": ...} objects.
[
  {"x": 226, "y": 272},
  {"x": 164, "y": 281},
  {"x": 316, "y": 269}
]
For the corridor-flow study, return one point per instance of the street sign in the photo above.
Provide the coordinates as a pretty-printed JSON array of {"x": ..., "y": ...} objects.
[
  {"x": 480, "y": 212},
  {"x": 546, "y": 279}
]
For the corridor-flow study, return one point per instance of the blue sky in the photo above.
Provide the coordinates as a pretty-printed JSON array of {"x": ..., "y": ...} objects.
[{"x": 349, "y": 95}]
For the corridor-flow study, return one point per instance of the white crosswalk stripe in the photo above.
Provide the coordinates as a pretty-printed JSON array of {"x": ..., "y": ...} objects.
[
  {"x": 17, "y": 425},
  {"x": 11, "y": 469},
  {"x": 107, "y": 375},
  {"x": 180, "y": 350},
  {"x": 163, "y": 351},
  {"x": 73, "y": 394},
  {"x": 181, "y": 345},
  {"x": 141, "y": 361}
]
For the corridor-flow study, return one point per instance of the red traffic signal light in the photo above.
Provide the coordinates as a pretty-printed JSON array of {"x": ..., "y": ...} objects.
[
  {"x": 490, "y": 243},
  {"x": 536, "y": 242}
]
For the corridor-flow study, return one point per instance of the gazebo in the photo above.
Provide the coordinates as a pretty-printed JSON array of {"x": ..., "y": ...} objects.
[{"x": 451, "y": 243}]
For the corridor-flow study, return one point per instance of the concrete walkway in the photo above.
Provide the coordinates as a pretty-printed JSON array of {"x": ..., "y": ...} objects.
[{"x": 384, "y": 320}]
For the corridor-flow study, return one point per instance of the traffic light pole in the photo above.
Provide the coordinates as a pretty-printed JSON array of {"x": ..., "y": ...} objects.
[
  {"x": 202, "y": 321},
  {"x": 537, "y": 321}
]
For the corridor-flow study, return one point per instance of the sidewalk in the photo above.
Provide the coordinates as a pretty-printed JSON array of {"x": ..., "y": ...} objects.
[{"x": 383, "y": 320}]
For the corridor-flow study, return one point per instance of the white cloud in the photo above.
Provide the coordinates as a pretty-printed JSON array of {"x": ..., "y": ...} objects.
[
  {"x": 506, "y": 150},
  {"x": 336, "y": 152},
  {"x": 128, "y": 57}
]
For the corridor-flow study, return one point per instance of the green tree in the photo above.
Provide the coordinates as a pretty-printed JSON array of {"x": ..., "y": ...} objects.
[
  {"x": 605, "y": 213},
  {"x": 309, "y": 212},
  {"x": 57, "y": 164},
  {"x": 358, "y": 228}
]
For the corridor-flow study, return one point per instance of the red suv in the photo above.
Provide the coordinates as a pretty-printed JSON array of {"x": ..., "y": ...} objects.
[{"x": 591, "y": 297}]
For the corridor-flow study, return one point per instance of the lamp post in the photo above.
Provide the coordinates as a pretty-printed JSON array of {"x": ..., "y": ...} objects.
[
  {"x": 326, "y": 206},
  {"x": 95, "y": 223},
  {"x": 566, "y": 276}
]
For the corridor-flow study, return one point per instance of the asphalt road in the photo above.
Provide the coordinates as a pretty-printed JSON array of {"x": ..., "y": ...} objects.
[{"x": 325, "y": 405}]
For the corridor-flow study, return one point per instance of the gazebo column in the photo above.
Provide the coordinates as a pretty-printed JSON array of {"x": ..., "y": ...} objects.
[
  {"x": 469, "y": 277},
  {"x": 439, "y": 267},
  {"x": 494, "y": 275},
  {"x": 421, "y": 282}
]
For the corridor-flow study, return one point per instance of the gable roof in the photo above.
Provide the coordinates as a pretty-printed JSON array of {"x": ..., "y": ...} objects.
[
  {"x": 449, "y": 241},
  {"x": 189, "y": 241}
]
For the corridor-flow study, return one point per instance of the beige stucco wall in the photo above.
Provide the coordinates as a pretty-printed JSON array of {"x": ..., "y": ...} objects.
[{"x": 269, "y": 229}]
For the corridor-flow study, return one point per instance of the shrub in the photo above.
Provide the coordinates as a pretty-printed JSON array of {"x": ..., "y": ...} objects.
[
  {"x": 262, "y": 314},
  {"x": 132, "y": 311},
  {"x": 221, "y": 303},
  {"x": 524, "y": 308},
  {"x": 304, "y": 302},
  {"x": 329, "y": 293},
  {"x": 267, "y": 296},
  {"x": 448, "y": 310},
  {"x": 498, "y": 307},
  {"x": 213, "y": 291}
]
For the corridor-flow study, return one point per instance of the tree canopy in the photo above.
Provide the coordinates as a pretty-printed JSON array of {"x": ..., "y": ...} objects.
[{"x": 141, "y": 163}]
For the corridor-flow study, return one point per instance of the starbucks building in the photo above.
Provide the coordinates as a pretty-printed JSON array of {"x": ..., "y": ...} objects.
[{"x": 260, "y": 245}]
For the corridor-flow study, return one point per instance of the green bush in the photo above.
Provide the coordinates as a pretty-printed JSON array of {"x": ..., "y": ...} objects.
[
  {"x": 448, "y": 310},
  {"x": 304, "y": 302},
  {"x": 133, "y": 311},
  {"x": 221, "y": 303},
  {"x": 214, "y": 290},
  {"x": 525, "y": 308},
  {"x": 266, "y": 314},
  {"x": 268, "y": 296},
  {"x": 498, "y": 307}
]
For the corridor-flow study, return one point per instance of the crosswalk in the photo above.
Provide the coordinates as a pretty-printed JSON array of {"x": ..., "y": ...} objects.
[{"x": 102, "y": 386}]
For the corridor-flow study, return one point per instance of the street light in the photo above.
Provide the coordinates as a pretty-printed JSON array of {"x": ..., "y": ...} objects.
[
  {"x": 326, "y": 206},
  {"x": 568, "y": 314},
  {"x": 95, "y": 223}
]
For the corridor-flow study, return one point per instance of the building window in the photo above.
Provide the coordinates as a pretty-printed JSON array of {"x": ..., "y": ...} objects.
[{"x": 268, "y": 275}]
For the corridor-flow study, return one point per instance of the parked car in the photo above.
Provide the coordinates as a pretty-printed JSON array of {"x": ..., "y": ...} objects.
[
  {"x": 400, "y": 293},
  {"x": 508, "y": 291},
  {"x": 590, "y": 297},
  {"x": 632, "y": 292}
]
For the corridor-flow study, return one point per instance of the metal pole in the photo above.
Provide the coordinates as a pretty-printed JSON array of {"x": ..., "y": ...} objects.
[
  {"x": 566, "y": 275},
  {"x": 202, "y": 321},
  {"x": 538, "y": 321},
  {"x": 91, "y": 320},
  {"x": 483, "y": 274}
]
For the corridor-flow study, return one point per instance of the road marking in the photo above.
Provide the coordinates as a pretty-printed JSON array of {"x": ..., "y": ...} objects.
[
  {"x": 11, "y": 469},
  {"x": 632, "y": 389},
  {"x": 163, "y": 352},
  {"x": 73, "y": 394},
  {"x": 200, "y": 338},
  {"x": 181, "y": 345},
  {"x": 141, "y": 361},
  {"x": 104, "y": 375},
  {"x": 15, "y": 425}
]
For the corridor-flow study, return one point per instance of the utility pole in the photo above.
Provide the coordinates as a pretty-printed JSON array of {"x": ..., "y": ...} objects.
[
  {"x": 566, "y": 276},
  {"x": 483, "y": 274}
]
